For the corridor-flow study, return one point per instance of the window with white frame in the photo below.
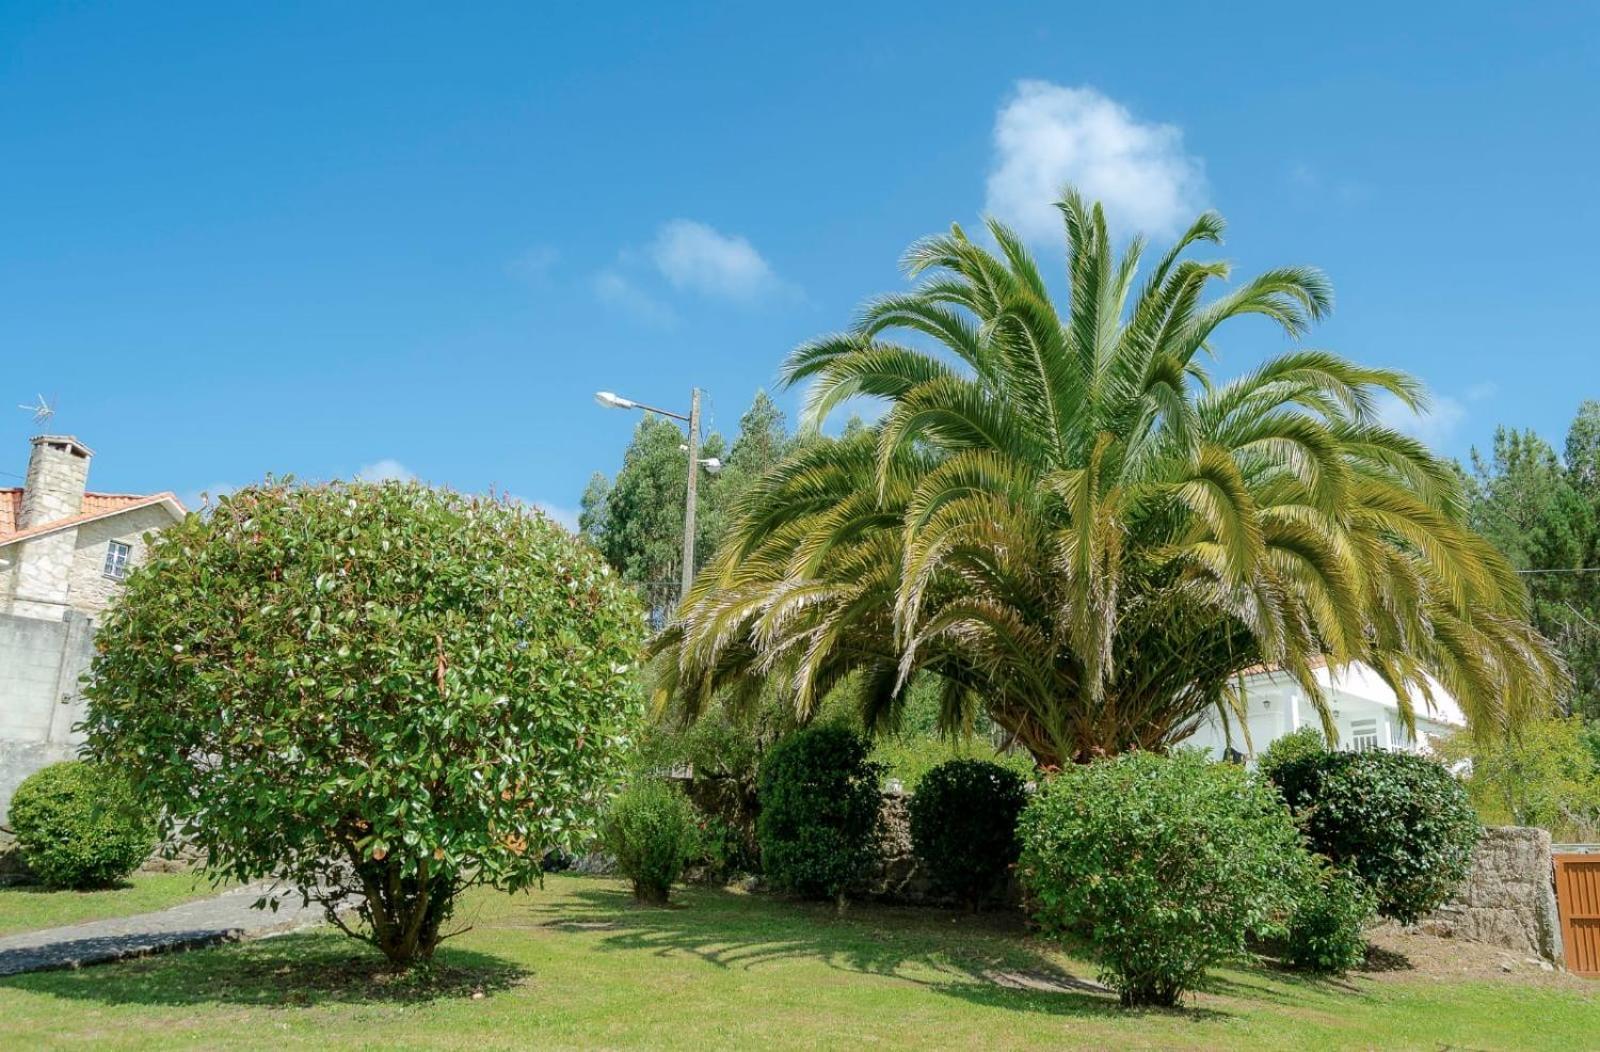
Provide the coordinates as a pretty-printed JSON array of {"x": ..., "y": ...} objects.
[
  {"x": 117, "y": 560},
  {"x": 1363, "y": 735}
]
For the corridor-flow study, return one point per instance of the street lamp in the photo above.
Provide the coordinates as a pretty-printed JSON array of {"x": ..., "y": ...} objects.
[{"x": 611, "y": 400}]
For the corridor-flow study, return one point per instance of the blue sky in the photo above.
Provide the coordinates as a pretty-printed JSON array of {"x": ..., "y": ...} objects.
[{"x": 326, "y": 238}]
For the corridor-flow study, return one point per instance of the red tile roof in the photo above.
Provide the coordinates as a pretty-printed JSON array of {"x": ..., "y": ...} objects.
[{"x": 95, "y": 506}]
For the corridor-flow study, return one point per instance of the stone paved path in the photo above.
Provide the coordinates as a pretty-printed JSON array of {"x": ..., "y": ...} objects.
[{"x": 223, "y": 918}]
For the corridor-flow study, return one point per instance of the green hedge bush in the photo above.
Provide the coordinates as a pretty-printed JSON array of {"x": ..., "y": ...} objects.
[
  {"x": 964, "y": 826},
  {"x": 1398, "y": 821},
  {"x": 1163, "y": 864},
  {"x": 1307, "y": 741},
  {"x": 650, "y": 828},
  {"x": 79, "y": 825},
  {"x": 1325, "y": 931},
  {"x": 819, "y": 812}
]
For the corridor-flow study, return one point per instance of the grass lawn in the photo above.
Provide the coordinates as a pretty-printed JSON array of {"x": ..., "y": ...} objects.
[
  {"x": 578, "y": 965},
  {"x": 29, "y": 907}
]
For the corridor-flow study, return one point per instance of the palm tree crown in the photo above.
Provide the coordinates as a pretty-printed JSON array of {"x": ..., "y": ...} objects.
[{"x": 1070, "y": 525}]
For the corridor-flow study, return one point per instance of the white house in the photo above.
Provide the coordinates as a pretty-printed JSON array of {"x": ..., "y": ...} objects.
[{"x": 1365, "y": 711}]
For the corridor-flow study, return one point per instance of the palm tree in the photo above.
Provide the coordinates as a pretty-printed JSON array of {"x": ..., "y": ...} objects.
[{"x": 1079, "y": 533}]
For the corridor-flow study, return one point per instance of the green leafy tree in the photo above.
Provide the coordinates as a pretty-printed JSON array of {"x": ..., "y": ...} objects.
[
  {"x": 1543, "y": 512},
  {"x": 1064, "y": 520},
  {"x": 378, "y": 695},
  {"x": 1546, "y": 774},
  {"x": 636, "y": 520}
]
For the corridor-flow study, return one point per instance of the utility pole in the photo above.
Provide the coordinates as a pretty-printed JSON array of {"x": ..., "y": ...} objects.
[
  {"x": 611, "y": 400},
  {"x": 694, "y": 481}
]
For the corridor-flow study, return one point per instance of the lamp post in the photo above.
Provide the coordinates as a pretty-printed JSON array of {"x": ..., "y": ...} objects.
[{"x": 611, "y": 400}]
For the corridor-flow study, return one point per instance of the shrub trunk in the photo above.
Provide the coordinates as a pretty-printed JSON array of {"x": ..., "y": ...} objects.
[{"x": 406, "y": 911}]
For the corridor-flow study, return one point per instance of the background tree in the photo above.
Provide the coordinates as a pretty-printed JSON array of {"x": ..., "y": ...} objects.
[
  {"x": 1543, "y": 512},
  {"x": 637, "y": 520},
  {"x": 374, "y": 694},
  {"x": 1069, "y": 524}
]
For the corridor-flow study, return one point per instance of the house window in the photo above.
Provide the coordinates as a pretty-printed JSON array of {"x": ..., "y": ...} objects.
[
  {"x": 1363, "y": 735},
  {"x": 117, "y": 560}
]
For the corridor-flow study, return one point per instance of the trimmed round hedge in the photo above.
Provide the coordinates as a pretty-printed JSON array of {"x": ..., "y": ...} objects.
[
  {"x": 964, "y": 826},
  {"x": 1398, "y": 821},
  {"x": 650, "y": 829},
  {"x": 80, "y": 826},
  {"x": 819, "y": 812},
  {"x": 1164, "y": 865}
]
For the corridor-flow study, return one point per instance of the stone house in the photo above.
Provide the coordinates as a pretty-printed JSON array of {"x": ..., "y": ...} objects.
[
  {"x": 64, "y": 552},
  {"x": 63, "y": 547}
]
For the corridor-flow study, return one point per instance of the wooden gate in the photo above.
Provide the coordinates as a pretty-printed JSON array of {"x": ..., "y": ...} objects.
[{"x": 1578, "y": 896}]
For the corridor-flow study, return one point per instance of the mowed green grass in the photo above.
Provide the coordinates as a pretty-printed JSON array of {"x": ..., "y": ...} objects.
[
  {"x": 30, "y": 907},
  {"x": 578, "y": 965}
]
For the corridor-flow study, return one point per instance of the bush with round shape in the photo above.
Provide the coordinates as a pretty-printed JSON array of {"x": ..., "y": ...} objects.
[
  {"x": 1307, "y": 741},
  {"x": 650, "y": 830},
  {"x": 376, "y": 694},
  {"x": 819, "y": 812},
  {"x": 964, "y": 826},
  {"x": 1163, "y": 865},
  {"x": 1324, "y": 933},
  {"x": 1398, "y": 821},
  {"x": 80, "y": 825}
]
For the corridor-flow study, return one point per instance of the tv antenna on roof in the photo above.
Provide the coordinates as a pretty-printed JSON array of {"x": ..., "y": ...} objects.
[{"x": 42, "y": 411}]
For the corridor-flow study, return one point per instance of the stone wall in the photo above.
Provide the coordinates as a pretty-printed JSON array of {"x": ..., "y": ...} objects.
[
  {"x": 40, "y": 664},
  {"x": 1509, "y": 898},
  {"x": 89, "y": 589}
]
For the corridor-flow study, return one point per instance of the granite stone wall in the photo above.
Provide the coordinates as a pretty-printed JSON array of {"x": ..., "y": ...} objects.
[
  {"x": 40, "y": 664},
  {"x": 1509, "y": 898}
]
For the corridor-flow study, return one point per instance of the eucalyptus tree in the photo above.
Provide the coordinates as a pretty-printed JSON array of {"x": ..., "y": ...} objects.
[{"x": 1066, "y": 520}]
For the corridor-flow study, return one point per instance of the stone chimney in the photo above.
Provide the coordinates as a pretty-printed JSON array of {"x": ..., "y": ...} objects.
[{"x": 58, "y": 471}]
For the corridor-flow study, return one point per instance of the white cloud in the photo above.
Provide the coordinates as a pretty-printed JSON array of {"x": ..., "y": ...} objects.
[
  {"x": 1434, "y": 427},
  {"x": 386, "y": 470},
  {"x": 702, "y": 259},
  {"x": 1046, "y": 136},
  {"x": 614, "y": 289}
]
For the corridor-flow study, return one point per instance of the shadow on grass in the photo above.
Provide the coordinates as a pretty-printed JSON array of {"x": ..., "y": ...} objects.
[
  {"x": 288, "y": 971},
  {"x": 984, "y": 958},
  {"x": 36, "y": 887}
]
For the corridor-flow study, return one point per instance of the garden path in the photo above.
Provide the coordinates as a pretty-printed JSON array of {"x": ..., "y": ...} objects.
[{"x": 225, "y": 918}]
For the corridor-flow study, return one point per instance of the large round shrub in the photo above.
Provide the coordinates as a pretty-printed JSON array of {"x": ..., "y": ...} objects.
[
  {"x": 79, "y": 825},
  {"x": 964, "y": 826},
  {"x": 388, "y": 692},
  {"x": 819, "y": 812},
  {"x": 1163, "y": 864},
  {"x": 650, "y": 830},
  {"x": 1399, "y": 821}
]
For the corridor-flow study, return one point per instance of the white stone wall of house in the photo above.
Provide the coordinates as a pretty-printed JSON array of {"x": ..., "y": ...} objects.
[
  {"x": 1276, "y": 706},
  {"x": 89, "y": 589},
  {"x": 41, "y": 572}
]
